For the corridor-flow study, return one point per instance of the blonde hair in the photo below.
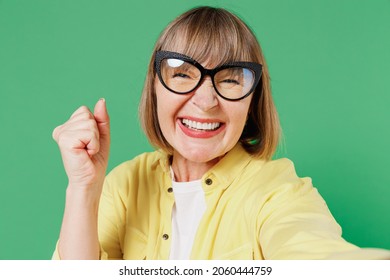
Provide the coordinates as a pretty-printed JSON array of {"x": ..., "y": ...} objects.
[{"x": 216, "y": 35}]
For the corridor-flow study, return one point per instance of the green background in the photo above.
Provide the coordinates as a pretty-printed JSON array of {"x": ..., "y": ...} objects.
[{"x": 329, "y": 63}]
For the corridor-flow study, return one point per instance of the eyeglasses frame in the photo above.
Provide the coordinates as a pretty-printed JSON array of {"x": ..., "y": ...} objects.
[{"x": 161, "y": 55}]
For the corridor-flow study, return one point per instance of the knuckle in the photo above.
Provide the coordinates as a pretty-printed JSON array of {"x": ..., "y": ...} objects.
[
  {"x": 63, "y": 142},
  {"x": 56, "y": 132},
  {"x": 89, "y": 116},
  {"x": 83, "y": 108},
  {"x": 91, "y": 123},
  {"x": 81, "y": 111},
  {"x": 84, "y": 115}
]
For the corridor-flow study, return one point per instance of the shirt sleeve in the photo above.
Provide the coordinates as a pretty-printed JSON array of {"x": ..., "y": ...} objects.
[
  {"x": 296, "y": 223},
  {"x": 110, "y": 222}
]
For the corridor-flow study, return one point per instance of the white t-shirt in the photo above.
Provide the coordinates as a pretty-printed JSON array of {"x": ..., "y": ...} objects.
[{"x": 189, "y": 207}]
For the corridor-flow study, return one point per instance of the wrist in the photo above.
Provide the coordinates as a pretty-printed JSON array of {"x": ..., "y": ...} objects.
[{"x": 85, "y": 197}]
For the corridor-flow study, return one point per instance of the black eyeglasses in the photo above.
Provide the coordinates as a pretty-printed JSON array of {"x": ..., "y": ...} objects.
[{"x": 181, "y": 74}]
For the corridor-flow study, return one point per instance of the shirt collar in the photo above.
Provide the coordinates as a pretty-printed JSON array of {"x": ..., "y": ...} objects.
[
  {"x": 224, "y": 172},
  {"x": 229, "y": 167}
]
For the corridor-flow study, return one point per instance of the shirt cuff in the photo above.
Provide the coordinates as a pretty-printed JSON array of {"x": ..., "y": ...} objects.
[{"x": 56, "y": 255}]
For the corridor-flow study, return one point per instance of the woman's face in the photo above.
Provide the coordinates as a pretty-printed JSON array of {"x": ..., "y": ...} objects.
[{"x": 200, "y": 126}]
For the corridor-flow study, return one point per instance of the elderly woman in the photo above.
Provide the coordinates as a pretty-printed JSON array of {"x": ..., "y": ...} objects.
[{"x": 211, "y": 190}]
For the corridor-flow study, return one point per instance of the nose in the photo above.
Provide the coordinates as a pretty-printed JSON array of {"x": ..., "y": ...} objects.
[{"x": 205, "y": 96}]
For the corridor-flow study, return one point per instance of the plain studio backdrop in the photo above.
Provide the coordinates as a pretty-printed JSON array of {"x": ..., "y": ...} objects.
[{"x": 329, "y": 64}]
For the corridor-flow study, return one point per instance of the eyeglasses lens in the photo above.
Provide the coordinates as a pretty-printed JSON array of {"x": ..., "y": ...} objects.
[
  {"x": 179, "y": 75},
  {"x": 234, "y": 82}
]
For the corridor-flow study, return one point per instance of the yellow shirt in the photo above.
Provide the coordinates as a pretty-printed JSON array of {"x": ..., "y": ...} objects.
[{"x": 256, "y": 209}]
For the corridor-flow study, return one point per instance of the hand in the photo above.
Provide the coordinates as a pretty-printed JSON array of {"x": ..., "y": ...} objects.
[{"x": 84, "y": 142}]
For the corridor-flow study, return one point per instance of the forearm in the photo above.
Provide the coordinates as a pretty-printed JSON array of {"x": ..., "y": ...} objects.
[{"x": 79, "y": 233}]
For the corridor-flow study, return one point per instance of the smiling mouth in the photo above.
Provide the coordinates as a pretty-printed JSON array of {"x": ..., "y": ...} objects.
[{"x": 200, "y": 126}]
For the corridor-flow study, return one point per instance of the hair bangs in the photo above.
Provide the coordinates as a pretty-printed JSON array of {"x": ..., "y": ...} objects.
[{"x": 219, "y": 41}]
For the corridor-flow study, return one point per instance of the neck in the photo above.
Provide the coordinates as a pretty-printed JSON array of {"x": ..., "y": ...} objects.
[{"x": 185, "y": 170}]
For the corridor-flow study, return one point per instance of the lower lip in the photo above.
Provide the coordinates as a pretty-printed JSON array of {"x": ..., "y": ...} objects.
[{"x": 199, "y": 133}]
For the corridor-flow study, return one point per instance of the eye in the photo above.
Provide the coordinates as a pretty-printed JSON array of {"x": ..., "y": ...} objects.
[
  {"x": 231, "y": 81},
  {"x": 180, "y": 75}
]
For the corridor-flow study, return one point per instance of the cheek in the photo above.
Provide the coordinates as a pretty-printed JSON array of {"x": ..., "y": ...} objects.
[
  {"x": 165, "y": 120},
  {"x": 162, "y": 98},
  {"x": 238, "y": 114},
  {"x": 161, "y": 114},
  {"x": 168, "y": 104}
]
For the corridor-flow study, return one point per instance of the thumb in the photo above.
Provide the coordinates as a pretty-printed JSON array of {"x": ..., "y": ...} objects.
[{"x": 103, "y": 122}]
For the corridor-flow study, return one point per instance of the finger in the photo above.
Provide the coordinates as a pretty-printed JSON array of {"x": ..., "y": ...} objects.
[
  {"x": 101, "y": 116},
  {"x": 80, "y": 110},
  {"x": 82, "y": 117},
  {"x": 81, "y": 124},
  {"x": 56, "y": 132},
  {"x": 93, "y": 146},
  {"x": 81, "y": 113},
  {"x": 79, "y": 141},
  {"x": 103, "y": 123},
  {"x": 77, "y": 125}
]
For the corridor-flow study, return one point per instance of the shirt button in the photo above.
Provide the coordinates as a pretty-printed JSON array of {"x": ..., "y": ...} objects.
[
  {"x": 170, "y": 190},
  {"x": 165, "y": 236},
  {"x": 208, "y": 181}
]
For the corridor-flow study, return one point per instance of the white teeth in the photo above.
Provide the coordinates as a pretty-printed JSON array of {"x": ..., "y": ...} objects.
[{"x": 200, "y": 126}]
